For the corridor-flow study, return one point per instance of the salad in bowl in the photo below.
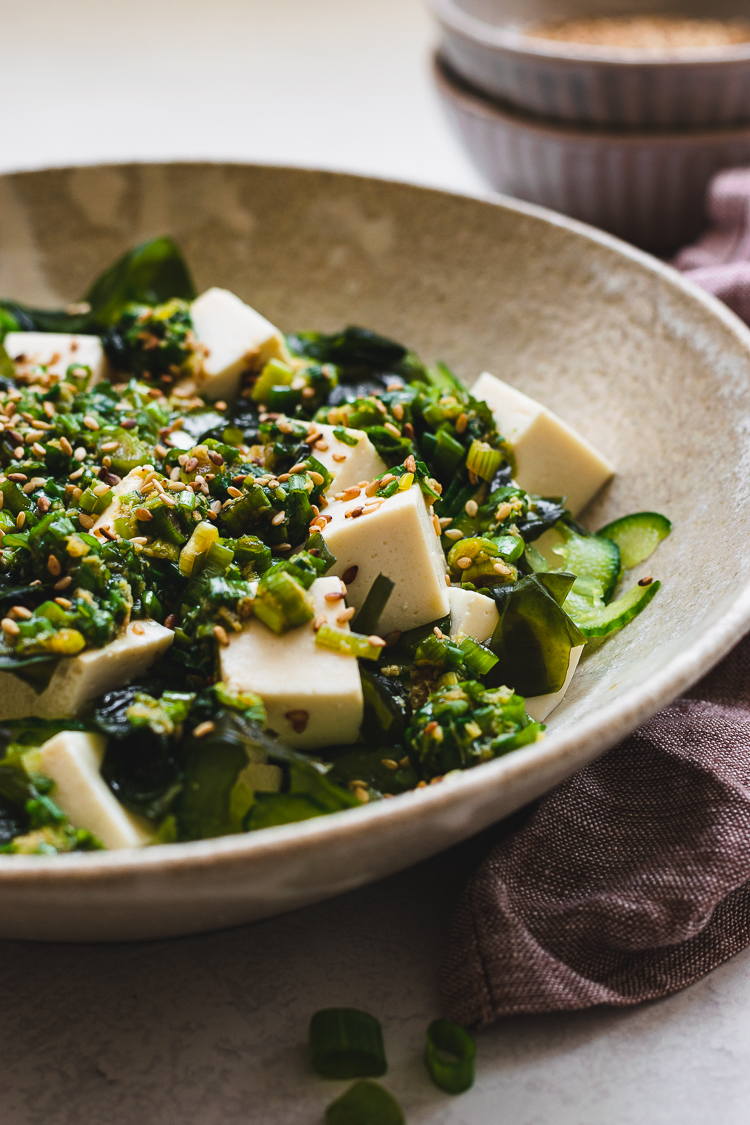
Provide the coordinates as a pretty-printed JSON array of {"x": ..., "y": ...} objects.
[{"x": 250, "y": 578}]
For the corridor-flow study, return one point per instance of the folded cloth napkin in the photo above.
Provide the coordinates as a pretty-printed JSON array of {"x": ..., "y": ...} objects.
[{"x": 631, "y": 879}]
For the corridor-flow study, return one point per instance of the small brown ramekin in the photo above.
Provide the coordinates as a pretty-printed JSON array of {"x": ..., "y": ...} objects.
[
  {"x": 588, "y": 85},
  {"x": 648, "y": 188}
]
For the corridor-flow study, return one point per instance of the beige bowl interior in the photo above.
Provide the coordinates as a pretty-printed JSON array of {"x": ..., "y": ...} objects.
[{"x": 654, "y": 372}]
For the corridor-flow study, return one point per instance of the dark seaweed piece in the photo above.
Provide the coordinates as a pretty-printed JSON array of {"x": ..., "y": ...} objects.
[
  {"x": 541, "y": 516},
  {"x": 387, "y": 709},
  {"x": 357, "y": 348}
]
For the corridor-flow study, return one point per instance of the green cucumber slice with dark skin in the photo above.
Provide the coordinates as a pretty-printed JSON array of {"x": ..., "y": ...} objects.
[
  {"x": 609, "y": 618},
  {"x": 590, "y": 556},
  {"x": 637, "y": 536}
]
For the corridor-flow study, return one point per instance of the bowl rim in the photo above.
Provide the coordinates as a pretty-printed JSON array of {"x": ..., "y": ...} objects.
[
  {"x": 511, "y": 40},
  {"x": 601, "y": 730},
  {"x": 481, "y": 103}
]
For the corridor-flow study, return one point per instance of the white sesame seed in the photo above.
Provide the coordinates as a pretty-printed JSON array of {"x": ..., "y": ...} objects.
[
  {"x": 471, "y": 508},
  {"x": 453, "y": 533}
]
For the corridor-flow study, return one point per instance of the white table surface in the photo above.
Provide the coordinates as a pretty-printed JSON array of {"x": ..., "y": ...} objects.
[{"x": 211, "y": 1030}]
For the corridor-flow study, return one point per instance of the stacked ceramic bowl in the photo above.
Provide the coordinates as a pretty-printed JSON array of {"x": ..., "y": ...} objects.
[{"x": 624, "y": 137}]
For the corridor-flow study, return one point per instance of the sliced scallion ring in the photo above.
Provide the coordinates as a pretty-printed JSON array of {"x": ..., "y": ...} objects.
[
  {"x": 365, "y": 1103},
  {"x": 450, "y": 1056},
  {"x": 347, "y": 1043}
]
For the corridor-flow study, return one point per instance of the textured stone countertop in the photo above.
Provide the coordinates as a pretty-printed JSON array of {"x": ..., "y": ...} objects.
[{"x": 211, "y": 1030}]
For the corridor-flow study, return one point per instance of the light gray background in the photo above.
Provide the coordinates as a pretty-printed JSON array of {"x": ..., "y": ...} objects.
[{"x": 211, "y": 1030}]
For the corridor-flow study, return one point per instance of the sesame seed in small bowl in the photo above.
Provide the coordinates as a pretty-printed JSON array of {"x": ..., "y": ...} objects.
[{"x": 590, "y": 63}]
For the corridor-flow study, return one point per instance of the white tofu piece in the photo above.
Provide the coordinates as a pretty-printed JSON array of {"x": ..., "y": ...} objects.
[
  {"x": 551, "y": 458},
  {"x": 237, "y": 339},
  {"x": 56, "y": 351},
  {"x": 73, "y": 760},
  {"x": 396, "y": 539},
  {"x": 77, "y": 679},
  {"x": 540, "y": 706},
  {"x": 473, "y": 614},
  {"x": 292, "y": 674},
  {"x": 130, "y": 483},
  {"x": 360, "y": 462}
]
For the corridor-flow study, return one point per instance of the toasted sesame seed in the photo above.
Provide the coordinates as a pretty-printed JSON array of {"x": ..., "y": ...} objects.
[
  {"x": 461, "y": 423},
  {"x": 38, "y": 449},
  {"x": 299, "y": 719},
  {"x": 62, "y": 583},
  {"x": 355, "y": 513},
  {"x": 176, "y": 486},
  {"x": 233, "y": 492},
  {"x": 108, "y": 533},
  {"x": 298, "y": 468},
  {"x": 472, "y": 477},
  {"x": 64, "y": 603},
  {"x": 503, "y": 512},
  {"x": 283, "y": 547},
  {"x": 80, "y": 453},
  {"x": 215, "y": 456},
  {"x": 20, "y": 611},
  {"x": 322, "y": 446},
  {"x": 350, "y": 493},
  {"x": 53, "y": 565},
  {"x": 454, "y": 534},
  {"x": 76, "y": 475},
  {"x": 436, "y": 525},
  {"x": 421, "y": 785},
  {"x": 204, "y": 729},
  {"x": 101, "y": 489},
  {"x": 86, "y": 521},
  {"x": 20, "y": 519},
  {"x": 438, "y": 632},
  {"x": 139, "y": 540},
  {"x": 350, "y": 575},
  {"x": 471, "y": 508},
  {"x": 464, "y": 563},
  {"x": 220, "y": 404},
  {"x": 361, "y": 794},
  {"x": 90, "y": 423},
  {"x": 18, "y": 452},
  {"x": 278, "y": 519},
  {"x": 645, "y": 581},
  {"x": 9, "y": 626},
  {"x": 319, "y": 620},
  {"x": 284, "y": 478},
  {"x": 49, "y": 409},
  {"x": 109, "y": 446},
  {"x": 334, "y": 597},
  {"x": 389, "y": 426},
  {"x": 66, "y": 446},
  {"x": 138, "y": 628},
  {"x": 191, "y": 464},
  {"x": 345, "y": 615},
  {"x": 18, "y": 478},
  {"x": 221, "y": 635},
  {"x": 159, "y": 450},
  {"x": 170, "y": 621},
  {"x": 501, "y": 568},
  {"x": 376, "y": 642},
  {"x": 143, "y": 514},
  {"x": 273, "y": 483},
  {"x": 410, "y": 464},
  {"x": 389, "y": 763},
  {"x": 339, "y": 457}
]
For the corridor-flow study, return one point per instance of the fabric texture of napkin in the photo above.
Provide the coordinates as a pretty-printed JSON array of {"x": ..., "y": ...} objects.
[{"x": 631, "y": 879}]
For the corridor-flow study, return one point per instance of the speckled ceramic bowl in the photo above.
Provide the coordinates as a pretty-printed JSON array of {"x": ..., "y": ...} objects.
[
  {"x": 655, "y": 372},
  {"x": 646, "y": 187},
  {"x": 484, "y": 42}
]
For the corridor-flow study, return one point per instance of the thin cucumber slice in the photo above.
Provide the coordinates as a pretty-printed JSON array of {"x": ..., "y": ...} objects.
[
  {"x": 589, "y": 556},
  {"x": 637, "y": 536},
  {"x": 600, "y": 622}
]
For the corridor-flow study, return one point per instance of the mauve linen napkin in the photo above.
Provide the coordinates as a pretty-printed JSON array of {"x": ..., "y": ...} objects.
[{"x": 631, "y": 879}]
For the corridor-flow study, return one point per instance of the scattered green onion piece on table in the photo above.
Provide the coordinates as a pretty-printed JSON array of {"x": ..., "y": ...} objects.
[
  {"x": 450, "y": 1056},
  {"x": 483, "y": 460},
  {"x": 349, "y": 644},
  {"x": 346, "y": 1043},
  {"x": 365, "y": 1103},
  {"x": 368, "y": 618}
]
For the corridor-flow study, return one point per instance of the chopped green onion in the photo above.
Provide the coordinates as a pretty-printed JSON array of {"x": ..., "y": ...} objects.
[
  {"x": 204, "y": 534},
  {"x": 346, "y": 1043},
  {"x": 477, "y": 658},
  {"x": 349, "y": 644},
  {"x": 365, "y": 1103},
  {"x": 483, "y": 460},
  {"x": 450, "y": 1056},
  {"x": 281, "y": 602},
  {"x": 368, "y": 618},
  {"x": 276, "y": 373},
  {"x": 346, "y": 436}
]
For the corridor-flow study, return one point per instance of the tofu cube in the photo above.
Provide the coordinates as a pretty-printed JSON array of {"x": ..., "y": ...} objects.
[
  {"x": 551, "y": 458},
  {"x": 73, "y": 760},
  {"x": 348, "y": 464},
  {"x": 77, "y": 679},
  {"x": 56, "y": 351},
  {"x": 396, "y": 538},
  {"x": 312, "y": 695},
  {"x": 475, "y": 615},
  {"x": 540, "y": 706},
  {"x": 236, "y": 338}
]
